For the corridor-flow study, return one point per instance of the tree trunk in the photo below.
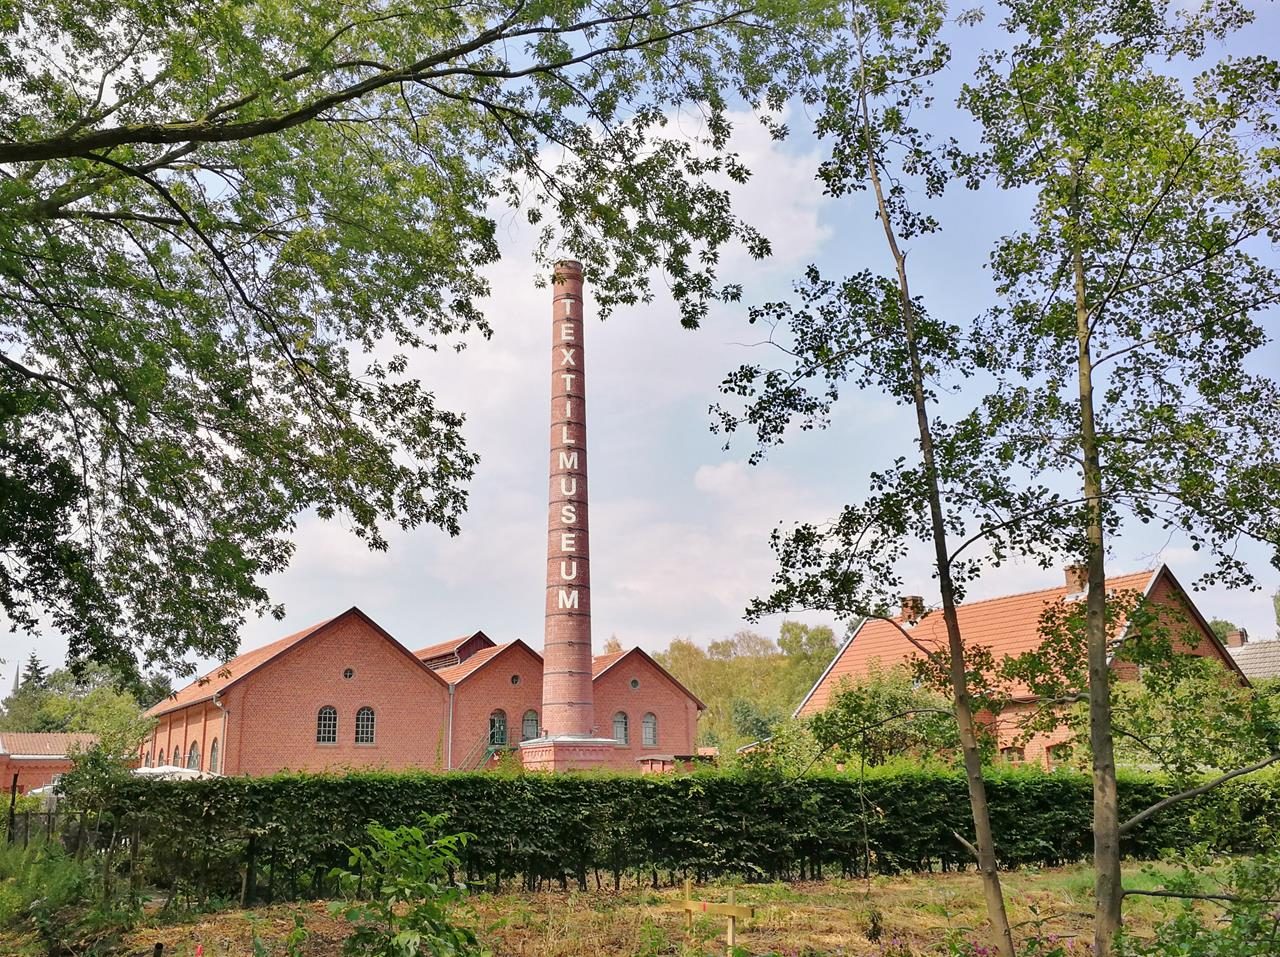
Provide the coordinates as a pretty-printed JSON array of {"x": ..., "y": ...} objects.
[
  {"x": 983, "y": 846},
  {"x": 1108, "y": 894}
]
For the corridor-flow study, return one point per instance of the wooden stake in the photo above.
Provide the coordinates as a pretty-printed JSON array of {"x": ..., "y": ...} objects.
[
  {"x": 733, "y": 922},
  {"x": 688, "y": 911}
]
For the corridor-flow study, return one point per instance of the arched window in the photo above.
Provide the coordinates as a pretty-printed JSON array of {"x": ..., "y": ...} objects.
[
  {"x": 620, "y": 727},
  {"x": 529, "y": 726},
  {"x": 1013, "y": 755},
  {"x": 364, "y": 726},
  {"x": 327, "y": 725},
  {"x": 213, "y": 756},
  {"x": 649, "y": 730},
  {"x": 146, "y": 761},
  {"x": 1059, "y": 755},
  {"x": 160, "y": 762},
  {"x": 193, "y": 757},
  {"x": 498, "y": 727}
]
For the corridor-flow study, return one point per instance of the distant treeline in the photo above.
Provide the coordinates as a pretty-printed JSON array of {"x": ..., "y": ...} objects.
[{"x": 277, "y": 837}]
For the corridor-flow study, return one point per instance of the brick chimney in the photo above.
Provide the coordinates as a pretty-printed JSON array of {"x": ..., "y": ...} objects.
[
  {"x": 1077, "y": 578},
  {"x": 912, "y": 608},
  {"x": 567, "y": 707},
  {"x": 1237, "y": 638}
]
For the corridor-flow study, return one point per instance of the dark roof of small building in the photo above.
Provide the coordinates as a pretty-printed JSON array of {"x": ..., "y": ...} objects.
[
  {"x": 1258, "y": 659},
  {"x": 449, "y": 647},
  {"x": 43, "y": 744}
]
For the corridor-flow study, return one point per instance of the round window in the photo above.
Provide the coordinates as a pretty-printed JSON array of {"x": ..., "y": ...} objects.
[
  {"x": 515, "y": 679},
  {"x": 349, "y": 674},
  {"x": 635, "y": 683}
]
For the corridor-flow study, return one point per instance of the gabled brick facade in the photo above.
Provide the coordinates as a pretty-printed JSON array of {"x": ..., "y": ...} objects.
[{"x": 261, "y": 712}]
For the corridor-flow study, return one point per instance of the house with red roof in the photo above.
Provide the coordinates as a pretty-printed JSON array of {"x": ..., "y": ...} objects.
[
  {"x": 33, "y": 759},
  {"x": 345, "y": 694},
  {"x": 1009, "y": 626}
]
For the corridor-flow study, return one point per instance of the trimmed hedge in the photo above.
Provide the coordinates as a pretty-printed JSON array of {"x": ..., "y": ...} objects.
[{"x": 535, "y": 828}]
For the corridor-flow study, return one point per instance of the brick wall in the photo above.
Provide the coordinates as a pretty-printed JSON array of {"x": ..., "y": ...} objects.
[
  {"x": 32, "y": 772},
  {"x": 488, "y": 689},
  {"x": 677, "y": 714}
]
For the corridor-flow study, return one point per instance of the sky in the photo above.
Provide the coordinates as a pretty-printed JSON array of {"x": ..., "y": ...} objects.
[{"x": 679, "y": 525}]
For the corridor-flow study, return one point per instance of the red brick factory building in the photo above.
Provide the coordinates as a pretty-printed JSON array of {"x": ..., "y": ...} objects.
[{"x": 346, "y": 694}]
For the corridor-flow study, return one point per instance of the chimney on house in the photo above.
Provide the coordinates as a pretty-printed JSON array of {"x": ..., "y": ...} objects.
[
  {"x": 912, "y": 608},
  {"x": 1237, "y": 638},
  {"x": 567, "y": 705},
  {"x": 1077, "y": 578}
]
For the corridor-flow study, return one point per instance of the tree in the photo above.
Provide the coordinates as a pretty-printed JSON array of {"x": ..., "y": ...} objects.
[
  {"x": 91, "y": 699},
  {"x": 225, "y": 227},
  {"x": 809, "y": 649},
  {"x": 869, "y": 330},
  {"x": 35, "y": 673},
  {"x": 745, "y": 682},
  {"x": 1131, "y": 300},
  {"x": 1221, "y": 628},
  {"x": 884, "y": 715}
]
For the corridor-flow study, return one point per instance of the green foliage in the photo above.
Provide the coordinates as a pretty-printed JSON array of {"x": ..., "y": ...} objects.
[
  {"x": 749, "y": 684},
  {"x": 539, "y": 828},
  {"x": 92, "y": 699},
  {"x": 1245, "y": 926},
  {"x": 1144, "y": 263},
  {"x": 37, "y": 882},
  {"x": 226, "y": 227},
  {"x": 885, "y": 715},
  {"x": 409, "y": 871}
]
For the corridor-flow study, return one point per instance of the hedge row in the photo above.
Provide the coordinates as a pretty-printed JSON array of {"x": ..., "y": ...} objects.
[{"x": 534, "y": 828}]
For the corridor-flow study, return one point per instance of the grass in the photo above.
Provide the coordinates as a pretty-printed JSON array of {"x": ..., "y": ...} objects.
[{"x": 849, "y": 918}]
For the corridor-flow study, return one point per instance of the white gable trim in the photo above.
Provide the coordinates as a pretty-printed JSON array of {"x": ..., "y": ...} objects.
[{"x": 823, "y": 677}]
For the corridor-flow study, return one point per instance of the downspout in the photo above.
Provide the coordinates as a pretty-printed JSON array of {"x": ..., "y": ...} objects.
[
  {"x": 448, "y": 741},
  {"x": 222, "y": 758}
]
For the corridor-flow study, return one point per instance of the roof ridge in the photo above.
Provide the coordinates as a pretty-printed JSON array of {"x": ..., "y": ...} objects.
[{"x": 1056, "y": 588}]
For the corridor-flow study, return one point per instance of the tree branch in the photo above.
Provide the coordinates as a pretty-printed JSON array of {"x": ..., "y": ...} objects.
[{"x": 1195, "y": 792}]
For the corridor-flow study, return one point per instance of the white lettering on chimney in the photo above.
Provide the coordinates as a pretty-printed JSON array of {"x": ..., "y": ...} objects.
[
  {"x": 568, "y": 380},
  {"x": 566, "y": 332},
  {"x": 568, "y": 514},
  {"x": 568, "y": 541},
  {"x": 569, "y": 569},
  {"x": 568, "y": 306},
  {"x": 569, "y": 460},
  {"x": 566, "y": 357},
  {"x": 568, "y": 598},
  {"x": 568, "y": 485},
  {"x": 568, "y": 409},
  {"x": 565, "y": 437}
]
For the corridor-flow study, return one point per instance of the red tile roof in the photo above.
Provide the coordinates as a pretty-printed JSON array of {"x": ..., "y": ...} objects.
[
  {"x": 443, "y": 648},
  {"x": 43, "y": 744},
  {"x": 602, "y": 663},
  {"x": 1008, "y": 625},
  {"x": 205, "y": 687},
  {"x": 455, "y": 673}
]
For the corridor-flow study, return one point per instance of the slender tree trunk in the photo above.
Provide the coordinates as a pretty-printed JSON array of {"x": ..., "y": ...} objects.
[
  {"x": 983, "y": 847},
  {"x": 1108, "y": 895}
]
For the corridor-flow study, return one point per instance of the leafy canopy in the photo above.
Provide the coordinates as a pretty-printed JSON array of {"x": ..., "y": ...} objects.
[{"x": 225, "y": 227}]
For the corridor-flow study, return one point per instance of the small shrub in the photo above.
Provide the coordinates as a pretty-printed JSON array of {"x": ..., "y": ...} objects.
[{"x": 406, "y": 872}]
